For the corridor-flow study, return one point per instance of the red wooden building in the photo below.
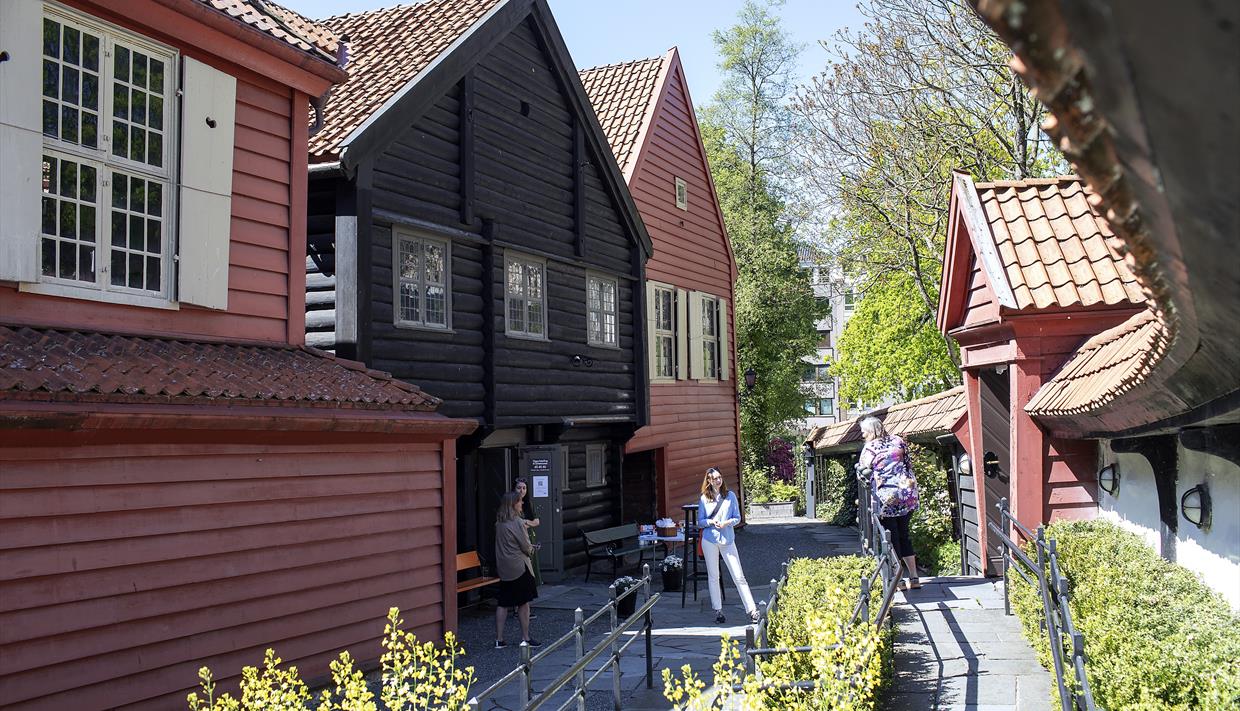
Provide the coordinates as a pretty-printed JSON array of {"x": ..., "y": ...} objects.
[
  {"x": 645, "y": 109},
  {"x": 182, "y": 483}
]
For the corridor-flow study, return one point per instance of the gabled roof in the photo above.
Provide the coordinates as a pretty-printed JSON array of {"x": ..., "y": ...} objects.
[
  {"x": 57, "y": 365},
  {"x": 1104, "y": 368},
  {"x": 390, "y": 48},
  {"x": 923, "y": 418},
  {"x": 1043, "y": 243},
  {"x": 281, "y": 23},
  {"x": 624, "y": 97}
]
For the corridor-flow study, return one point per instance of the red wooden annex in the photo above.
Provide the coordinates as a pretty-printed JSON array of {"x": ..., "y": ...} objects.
[
  {"x": 1031, "y": 272},
  {"x": 645, "y": 109},
  {"x": 182, "y": 482}
]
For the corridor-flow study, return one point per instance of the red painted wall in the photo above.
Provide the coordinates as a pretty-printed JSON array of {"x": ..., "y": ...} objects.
[
  {"x": 266, "y": 258},
  {"x": 132, "y": 558},
  {"x": 695, "y": 422}
]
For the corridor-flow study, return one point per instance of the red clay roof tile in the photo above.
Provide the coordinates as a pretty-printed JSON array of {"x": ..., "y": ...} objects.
[
  {"x": 281, "y": 23},
  {"x": 926, "y": 416},
  {"x": 623, "y": 94},
  {"x": 1056, "y": 247},
  {"x": 41, "y": 363},
  {"x": 388, "y": 48}
]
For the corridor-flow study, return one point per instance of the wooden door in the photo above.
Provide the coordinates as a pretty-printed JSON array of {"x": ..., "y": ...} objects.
[
  {"x": 996, "y": 461},
  {"x": 638, "y": 495},
  {"x": 543, "y": 467}
]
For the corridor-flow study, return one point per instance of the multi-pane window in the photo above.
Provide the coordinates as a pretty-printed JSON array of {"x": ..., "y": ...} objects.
[
  {"x": 601, "y": 311},
  {"x": 710, "y": 337},
  {"x": 682, "y": 194},
  {"x": 422, "y": 266},
  {"x": 526, "y": 297},
  {"x": 664, "y": 335},
  {"x": 106, "y": 186},
  {"x": 824, "y": 406},
  {"x": 850, "y": 300}
]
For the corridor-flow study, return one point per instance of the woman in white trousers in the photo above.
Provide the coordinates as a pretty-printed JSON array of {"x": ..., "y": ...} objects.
[{"x": 718, "y": 514}]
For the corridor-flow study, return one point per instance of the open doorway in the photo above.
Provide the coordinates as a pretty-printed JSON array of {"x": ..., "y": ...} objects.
[{"x": 996, "y": 464}]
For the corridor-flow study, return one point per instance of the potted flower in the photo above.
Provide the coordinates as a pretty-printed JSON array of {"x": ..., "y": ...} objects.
[
  {"x": 671, "y": 567},
  {"x": 625, "y": 607}
]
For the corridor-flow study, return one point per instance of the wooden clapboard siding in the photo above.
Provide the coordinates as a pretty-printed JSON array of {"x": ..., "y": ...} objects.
[
  {"x": 127, "y": 566},
  {"x": 268, "y": 114},
  {"x": 695, "y": 422},
  {"x": 979, "y": 304}
]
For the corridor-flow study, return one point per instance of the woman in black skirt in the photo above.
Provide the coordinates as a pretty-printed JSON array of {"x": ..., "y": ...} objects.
[{"x": 516, "y": 572}]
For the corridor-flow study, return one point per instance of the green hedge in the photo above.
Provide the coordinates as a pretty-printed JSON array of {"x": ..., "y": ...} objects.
[{"x": 1155, "y": 636}]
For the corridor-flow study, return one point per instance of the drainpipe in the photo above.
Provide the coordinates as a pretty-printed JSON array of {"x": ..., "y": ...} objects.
[{"x": 319, "y": 104}]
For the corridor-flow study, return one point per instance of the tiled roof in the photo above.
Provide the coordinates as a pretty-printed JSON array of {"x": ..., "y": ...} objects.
[
  {"x": 387, "y": 49},
  {"x": 281, "y": 23},
  {"x": 622, "y": 95},
  {"x": 1055, "y": 246},
  {"x": 933, "y": 415},
  {"x": 1105, "y": 367},
  {"x": 39, "y": 363}
]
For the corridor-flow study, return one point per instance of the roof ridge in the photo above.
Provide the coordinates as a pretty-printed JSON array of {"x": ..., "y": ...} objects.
[{"x": 601, "y": 67}]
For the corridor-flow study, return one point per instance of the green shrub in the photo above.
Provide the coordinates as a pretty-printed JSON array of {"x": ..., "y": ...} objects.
[
  {"x": 931, "y": 524},
  {"x": 782, "y": 491},
  {"x": 814, "y": 605},
  {"x": 757, "y": 485},
  {"x": 1155, "y": 636},
  {"x": 415, "y": 676}
]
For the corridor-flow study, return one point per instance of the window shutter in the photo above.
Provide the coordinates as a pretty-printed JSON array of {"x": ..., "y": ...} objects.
[
  {"x": 725, "y": 352},
  {"x": 21, "y": 138},
  {"x": 695, "y": 336},
  {"x": 651, "y": 323},
  {"x": 682, "y": 334},
  {"x": 207, "y": 116}
]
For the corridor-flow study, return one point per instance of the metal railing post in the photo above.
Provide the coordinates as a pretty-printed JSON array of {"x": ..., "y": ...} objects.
[
  {"x": 1007, "y": 557},
  {"x": 750, "y": 664},
  {"x": 614, "y": 614},
  {"x": 1048, "y": 620},
  {"x": 527, "y": 676},
  {"x": 579, "y": 630},
  {"x": 865, "y": 599},
  {"x": 648, "y": 625},
  {"x": 764, "y": 611}
]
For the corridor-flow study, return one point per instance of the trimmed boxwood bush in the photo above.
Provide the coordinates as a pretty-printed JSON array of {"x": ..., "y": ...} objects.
[{"x": 1155, "y": 636}]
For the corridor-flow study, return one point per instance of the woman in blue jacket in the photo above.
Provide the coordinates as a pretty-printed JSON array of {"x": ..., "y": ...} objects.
[{"x": 718, "y": 514}]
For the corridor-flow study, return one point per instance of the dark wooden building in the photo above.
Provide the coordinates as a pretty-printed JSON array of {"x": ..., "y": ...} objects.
[
  {"x": 471, "y": 233},
  {"x": 182, "y": 482},
  {"x": 646, "y": 111}
]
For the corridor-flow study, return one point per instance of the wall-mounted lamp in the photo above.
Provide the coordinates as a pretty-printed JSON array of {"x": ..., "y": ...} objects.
[
  {"x": 580, "y": 360},
  {"x": 964, "y": 465},
  {"x": 1195, "y": 506},
  {"x": 1108, "y": 478},
  {"x": 751, "y": 379}
]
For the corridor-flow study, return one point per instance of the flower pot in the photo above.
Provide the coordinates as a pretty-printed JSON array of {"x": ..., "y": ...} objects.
[
  {"x": 671, "y": 580},
  {"x": 626, "y": 606}
]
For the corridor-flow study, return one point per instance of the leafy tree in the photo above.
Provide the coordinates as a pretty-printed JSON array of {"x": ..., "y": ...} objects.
[{"x": 775, "y": 309}]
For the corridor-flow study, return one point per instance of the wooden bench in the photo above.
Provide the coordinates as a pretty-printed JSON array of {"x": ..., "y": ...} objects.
[
  {"x": 612, "y": 544},
  {"x": 468, "y": 561}
]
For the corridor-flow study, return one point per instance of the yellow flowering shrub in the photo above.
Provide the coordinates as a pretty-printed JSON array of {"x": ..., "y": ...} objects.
[{"x": 415, "y": 677}]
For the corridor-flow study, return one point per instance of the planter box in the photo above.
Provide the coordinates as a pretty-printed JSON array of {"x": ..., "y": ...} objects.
[{"x": 773, "y": 509}]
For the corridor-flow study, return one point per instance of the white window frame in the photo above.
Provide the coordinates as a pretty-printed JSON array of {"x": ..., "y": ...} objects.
[
  {"x": 596, "y": 478},
  {"x": 511, "y": 258},
  {"x": 106, "y": 165},
  {"x": 682, "y": 194},
  {"x": 711, "y": 338},
  {"x": 850, "y": 300},
  {"x": 599, "y": 337},
  {"x": 661, "y": 335},
  {"x": 400, "y": 236}
]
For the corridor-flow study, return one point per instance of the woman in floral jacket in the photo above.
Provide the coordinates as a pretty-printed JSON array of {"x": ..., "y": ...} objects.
[{"x": 885, "y": 459}]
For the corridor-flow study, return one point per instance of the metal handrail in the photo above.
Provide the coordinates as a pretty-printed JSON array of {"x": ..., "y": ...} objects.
[
  {"x": 576, "y": 672},
  {"x": 1056, "y": 619}
]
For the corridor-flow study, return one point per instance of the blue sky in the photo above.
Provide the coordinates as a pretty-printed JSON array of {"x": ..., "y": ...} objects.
[{"x": 608, "y": 31}]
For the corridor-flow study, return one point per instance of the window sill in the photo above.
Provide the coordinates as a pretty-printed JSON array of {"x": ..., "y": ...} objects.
[
  {"x": 527, "y": 337},
  {"x": 405, "y": 326},
  {"x": 605, "y": 346},
  {"x": 108, "y": 297}
]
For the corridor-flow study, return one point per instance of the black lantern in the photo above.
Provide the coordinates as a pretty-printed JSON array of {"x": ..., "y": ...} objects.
[
  {"x": 751, "y": 379},
  {"x": 1195, "y": 506},
  {"x": 808, "y": 451},
  {"x": 1108, "y": 478}
]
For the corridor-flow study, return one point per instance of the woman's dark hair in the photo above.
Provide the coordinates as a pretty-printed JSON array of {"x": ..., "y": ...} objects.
[
  {"x": 507, "y": 503},
  {"x": 706, "y": 488}
]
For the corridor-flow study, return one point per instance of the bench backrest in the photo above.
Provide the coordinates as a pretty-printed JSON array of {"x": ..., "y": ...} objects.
[
  {"x": 467, "y": 560},
  {"x": 607, "y": 535}
]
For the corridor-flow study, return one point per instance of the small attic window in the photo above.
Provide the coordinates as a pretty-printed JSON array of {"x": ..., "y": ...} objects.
[{"x": 682, "y": 194}]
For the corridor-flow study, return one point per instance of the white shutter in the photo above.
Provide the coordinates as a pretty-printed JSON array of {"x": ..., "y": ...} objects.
[
  {"x": 725, "y": 353},
  {"x": 651, "y": 341},
  {"x": 21, "y": 138},
  {"x": 682, "y": 334},
  {"x": 208, "y": 110},
  {"x": 695, "y": 336}
]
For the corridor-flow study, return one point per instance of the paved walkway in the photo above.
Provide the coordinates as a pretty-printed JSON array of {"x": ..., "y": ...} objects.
[
  {"x": 955, "y": 649},
  {"x": 681, "y": 635}
]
